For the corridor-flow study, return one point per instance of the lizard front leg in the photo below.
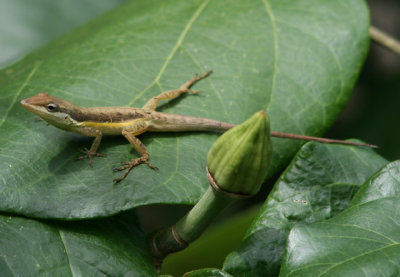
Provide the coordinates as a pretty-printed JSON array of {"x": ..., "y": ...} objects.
[
  {"x": 129, "y": 134},
  {"x": 153, "y": 102},
  {"x": 92, "y": 152}
]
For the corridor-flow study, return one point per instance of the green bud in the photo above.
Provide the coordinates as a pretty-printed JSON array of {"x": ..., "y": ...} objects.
[{"x": 239, "y": 159}]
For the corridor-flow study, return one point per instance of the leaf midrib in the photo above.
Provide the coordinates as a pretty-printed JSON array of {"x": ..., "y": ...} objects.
[{"x": 178, "y": 43}]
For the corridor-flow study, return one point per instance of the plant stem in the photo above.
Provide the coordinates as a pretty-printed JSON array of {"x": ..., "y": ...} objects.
[
  {"x": 384, "y": 39},
  {"x": 190, "y": 227},
  {"x": 201, "y": 215}
]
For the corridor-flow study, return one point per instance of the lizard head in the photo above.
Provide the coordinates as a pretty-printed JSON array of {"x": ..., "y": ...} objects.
[{"x": 51, "y": 109}]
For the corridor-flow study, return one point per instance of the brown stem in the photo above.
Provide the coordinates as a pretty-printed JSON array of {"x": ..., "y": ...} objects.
[{"x": 384, "y": 39}]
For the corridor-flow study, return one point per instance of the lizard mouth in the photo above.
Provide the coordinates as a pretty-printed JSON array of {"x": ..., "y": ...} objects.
[{"x": 25, "y": 103}]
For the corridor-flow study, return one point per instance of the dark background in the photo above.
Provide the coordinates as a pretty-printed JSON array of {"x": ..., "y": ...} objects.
[{"x": 373, "y": 111}]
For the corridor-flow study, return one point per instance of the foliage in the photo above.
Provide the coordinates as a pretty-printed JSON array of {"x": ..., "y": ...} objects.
[
  {"x": 139, "y": 50},
  {"x": 297, "y": 60},
  {"x": 318, "y": 184},
  {"x": 362, "y": 241}
]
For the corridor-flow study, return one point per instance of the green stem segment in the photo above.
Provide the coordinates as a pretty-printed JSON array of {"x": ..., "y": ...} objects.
[
  {"x": 203, "y": 213},
  {"x": 191, "y": 226}
]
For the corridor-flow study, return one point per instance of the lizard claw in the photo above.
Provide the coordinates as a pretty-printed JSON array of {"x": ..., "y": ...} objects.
[
  {"x": 194, "y": 91},
  {"x": 151, "y": 166},
  {"x": 131, "y": 164},
  {"x": 122, "y": 167},
  {"x": 89, "y": 155}
]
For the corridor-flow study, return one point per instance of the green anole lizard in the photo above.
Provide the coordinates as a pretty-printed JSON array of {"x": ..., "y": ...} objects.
[{"x": 131, "y": 122}]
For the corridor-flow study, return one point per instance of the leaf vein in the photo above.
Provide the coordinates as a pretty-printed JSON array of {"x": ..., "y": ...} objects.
[
  {"x": 173, "y": 51},
  {"x": 274, "y": 37},
  {"x": 35, "y": 68}
]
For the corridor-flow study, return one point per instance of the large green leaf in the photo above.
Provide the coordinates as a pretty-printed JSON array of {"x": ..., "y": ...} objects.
[
  {"x": 318, "y": 183},
  {"x": 296, "y": 59},
  {"x": 364, "y": 240},
  {"x": 102, "y": 247},
  {"x": 24, "y": 25}
]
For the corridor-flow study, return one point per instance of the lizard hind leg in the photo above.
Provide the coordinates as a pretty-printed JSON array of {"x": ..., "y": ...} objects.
[
  {"x": 170, "y": 94},
  {"x": 138, "y": 128}
]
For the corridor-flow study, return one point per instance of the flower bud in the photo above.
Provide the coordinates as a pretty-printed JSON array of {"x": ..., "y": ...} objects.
[{"x": 239, "y": 159}]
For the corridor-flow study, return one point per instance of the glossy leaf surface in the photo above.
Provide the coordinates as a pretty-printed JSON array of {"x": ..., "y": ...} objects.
[
  {"x": 298, "y": 60},
  {"x": 364, "y": 240},
  {"x": 105, "y": 247},
  {"x": 319, "y": 182}
]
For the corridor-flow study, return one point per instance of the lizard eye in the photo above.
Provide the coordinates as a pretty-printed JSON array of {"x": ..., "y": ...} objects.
[{"x": 52, "y": 107}]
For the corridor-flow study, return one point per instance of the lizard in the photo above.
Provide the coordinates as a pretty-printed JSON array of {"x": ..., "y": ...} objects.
[{"x": 131, "y": 122}]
